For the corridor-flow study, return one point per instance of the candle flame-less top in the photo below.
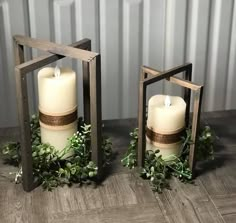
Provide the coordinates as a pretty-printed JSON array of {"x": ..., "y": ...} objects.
[
  {"x": 166, "y": 119},
  {"x": 57, "y": 94}
]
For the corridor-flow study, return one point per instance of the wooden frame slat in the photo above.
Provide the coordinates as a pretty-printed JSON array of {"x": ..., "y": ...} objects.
[
  {"x": 141, "y": 119},
  {"x": 55, "y": 48},
  {"x": 150, "y": 76},
  {"x": 195, "y": 127},
  {"x": 96, "y": 113},
  {"x": 166, "y": 74},
  {"x": 91, "y": 88},
  {"x": 86, "y": 89},
  {"x": 86, "y": 92},
  {"x": 187, "y": 92},
  {"x": 23, "y": 114},
  {"x": 43, "y": 60},
  {"x": 184, "y": 83},
  {"x": 151, "y": 71}
]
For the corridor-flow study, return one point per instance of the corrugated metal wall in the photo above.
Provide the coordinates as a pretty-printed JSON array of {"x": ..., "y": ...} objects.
[{"x": 128, "y": 33}]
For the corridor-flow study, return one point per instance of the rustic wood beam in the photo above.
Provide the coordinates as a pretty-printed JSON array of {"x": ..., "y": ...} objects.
[
  {"x": 43, "y": 60},
  {"x": 55, "y": 48}
]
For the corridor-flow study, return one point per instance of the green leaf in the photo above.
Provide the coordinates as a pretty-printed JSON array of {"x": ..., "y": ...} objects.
[
  {"x": 50, "y": 168},
  {"x": 91, "y": 174},
  {"x": 158, "y": 171}
]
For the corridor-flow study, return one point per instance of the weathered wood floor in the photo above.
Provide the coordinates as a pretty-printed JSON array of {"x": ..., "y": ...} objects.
[{"x": 124, "y": 197}]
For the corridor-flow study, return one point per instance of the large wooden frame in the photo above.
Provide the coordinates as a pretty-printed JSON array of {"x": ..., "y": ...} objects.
[
  {"x": 150, "y": 76},
  {"x": 91, "y": 93}
]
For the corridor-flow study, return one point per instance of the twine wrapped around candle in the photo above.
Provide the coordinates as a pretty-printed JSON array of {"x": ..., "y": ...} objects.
[
  {"x": 61, "y": 120},
  {"x": 164, "y": 138}
]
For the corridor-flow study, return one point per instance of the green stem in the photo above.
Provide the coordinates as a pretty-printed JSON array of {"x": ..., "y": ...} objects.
[{"x": 180, "y": 173}]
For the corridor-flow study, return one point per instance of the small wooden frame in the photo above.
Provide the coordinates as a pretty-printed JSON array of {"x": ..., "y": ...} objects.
[
  {"x": 91, "y": 93},
  {"x": 150, "y": 76}
]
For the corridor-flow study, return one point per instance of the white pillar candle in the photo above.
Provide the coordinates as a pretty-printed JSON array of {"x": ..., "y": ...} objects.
[
  {"x": 57, "y": 98},
  {"x": 166, "y": 116}
]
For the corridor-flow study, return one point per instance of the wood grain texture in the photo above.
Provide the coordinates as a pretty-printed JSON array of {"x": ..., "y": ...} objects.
[
  {"x": 141, "y": 123},
  {"x": 195, "y": 128},
  {"x": 96, "y": 112},
  {"x": 226, "y": 204},
  {"x": 188, "y": 203},
  {"x": 167, "y": 74},
  {"x": 55, "y": 48},
  {"x": 23, "y": 115},
  {"x": 123, "y": 196},
  {"x": 130, "y": 213},
  {"x": 43, "y": 60},
  {"x": 219, "y": 176}
]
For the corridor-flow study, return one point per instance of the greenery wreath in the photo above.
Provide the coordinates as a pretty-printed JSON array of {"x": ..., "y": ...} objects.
[
  {"x": 50, "y": 169},
  {"x": 158, "y": 170}
]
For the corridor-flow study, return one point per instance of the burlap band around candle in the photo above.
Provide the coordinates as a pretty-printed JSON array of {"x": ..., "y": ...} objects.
[
  {"x": 164, "y": 138},
  {"x": 57, "y": 121}
]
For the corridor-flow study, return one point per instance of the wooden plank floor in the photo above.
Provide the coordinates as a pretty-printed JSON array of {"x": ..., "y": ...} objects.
[{"x": 123, "y": 196}]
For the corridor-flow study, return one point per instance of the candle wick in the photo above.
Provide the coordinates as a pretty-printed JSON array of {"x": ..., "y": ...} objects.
[
  {"x": 57, "y": 71},
  {"x": 167, "y": 101}
]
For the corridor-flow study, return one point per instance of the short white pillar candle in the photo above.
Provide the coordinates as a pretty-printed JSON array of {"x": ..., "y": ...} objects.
[{"x": 166, "y": 116}]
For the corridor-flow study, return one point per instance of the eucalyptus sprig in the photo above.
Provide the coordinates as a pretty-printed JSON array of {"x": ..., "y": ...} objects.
[
  {"x": 205, "y": 144},
  {"x": 52, "y": 168},
  {"x": 156, "y": 170},
  {"x": 129, "y": 159},
  {"x": 159, "y": 170},
  {"x": 11, "y": 152}
]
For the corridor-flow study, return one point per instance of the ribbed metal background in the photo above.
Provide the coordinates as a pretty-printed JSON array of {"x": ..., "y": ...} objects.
[{"x": 128, "y": 33}]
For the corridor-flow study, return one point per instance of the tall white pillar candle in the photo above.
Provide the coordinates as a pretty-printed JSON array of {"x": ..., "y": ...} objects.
[
  {"x": 57, "y": 100},
  {"x": 166, "y": 117}
]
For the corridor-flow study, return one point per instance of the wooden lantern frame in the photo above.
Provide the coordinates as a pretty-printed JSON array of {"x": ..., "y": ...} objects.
[
  {"x": 150, "y": 76},
  {"x": 91, "y": 64}
]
